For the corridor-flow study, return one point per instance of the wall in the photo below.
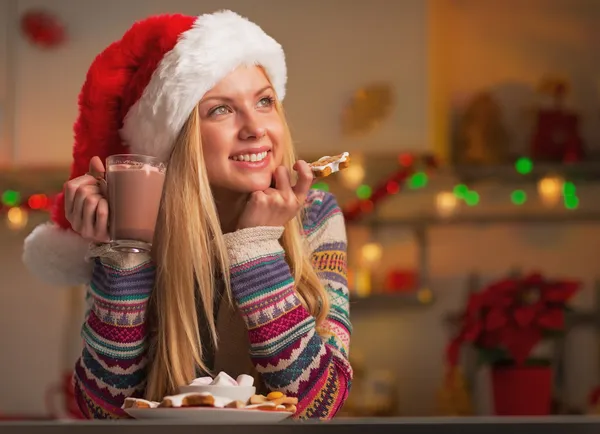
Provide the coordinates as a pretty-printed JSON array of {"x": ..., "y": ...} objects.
[
  {"x": 508, "y": 46},
  {"x": 330, "y": 55}
]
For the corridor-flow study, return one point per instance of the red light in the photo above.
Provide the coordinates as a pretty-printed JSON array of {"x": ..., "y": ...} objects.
[
  {"x": 406, "y": 160},
  {"x": 392, "y": 187},
  {"x": 38, "y": 201},
  {"x": 366, "y": 206}
]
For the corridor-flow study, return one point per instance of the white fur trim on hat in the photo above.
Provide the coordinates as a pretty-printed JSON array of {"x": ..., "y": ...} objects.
[
  {"x": 57, "y": 256},
  {"x": 214, "y": 46}
]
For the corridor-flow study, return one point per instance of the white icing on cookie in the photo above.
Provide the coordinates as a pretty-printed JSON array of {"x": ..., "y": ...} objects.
[
  {"x": 334, "y": 165},
  {"x": 177, "y": 400},
  {"x": 264, "y": 404},
  {"x": 134, "y": 401}
]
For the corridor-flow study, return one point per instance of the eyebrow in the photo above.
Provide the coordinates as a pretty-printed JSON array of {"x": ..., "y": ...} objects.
[{"x": 224, "y": 98}]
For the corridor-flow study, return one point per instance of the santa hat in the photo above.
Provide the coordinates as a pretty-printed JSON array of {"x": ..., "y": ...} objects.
[{"x": 136, "y": 98}]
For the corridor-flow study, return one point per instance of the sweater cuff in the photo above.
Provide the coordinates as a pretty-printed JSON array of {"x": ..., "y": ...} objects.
[{"x": 246, "y": 244}]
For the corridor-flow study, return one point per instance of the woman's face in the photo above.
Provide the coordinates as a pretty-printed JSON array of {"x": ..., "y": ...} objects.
[{"x": 242, "y": 132}]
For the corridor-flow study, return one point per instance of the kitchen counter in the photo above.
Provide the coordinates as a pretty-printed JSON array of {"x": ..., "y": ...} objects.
[{"x": 474, "y": 425}]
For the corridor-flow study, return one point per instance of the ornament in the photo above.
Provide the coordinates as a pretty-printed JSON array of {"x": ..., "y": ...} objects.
[
  {"x": 367, "y": 109},
  {"x": 43, "y": 29}
]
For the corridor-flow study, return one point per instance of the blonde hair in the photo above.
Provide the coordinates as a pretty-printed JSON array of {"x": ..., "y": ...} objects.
[{"x": 189, "y": 248}]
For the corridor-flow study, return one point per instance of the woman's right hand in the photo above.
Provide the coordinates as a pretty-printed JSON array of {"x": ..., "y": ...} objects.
[{"x": 86, "y": 207}]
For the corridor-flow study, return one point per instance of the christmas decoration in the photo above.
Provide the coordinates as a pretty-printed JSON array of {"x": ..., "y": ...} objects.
[
  {"x": 556, "y": 136},
  {"x": 510, "y": 317},
  {"x": 454, "y": 399},
  {"x": 505, "y": 322},
  {"x": 43, "y": 29},
  {"x": 407, "y": 174},
  {"x": 482, "y": 136}
]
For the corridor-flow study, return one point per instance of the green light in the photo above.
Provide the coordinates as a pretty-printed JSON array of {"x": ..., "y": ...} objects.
[
  {"x": 518, "y": 197},
  {"x": 472, "y": 198},
  {"x": 363, "y": 192},
  {"x": 461, "y": 191},
  {"x": 321, "y": 186},
  {"x": 418, "y": 180},
  {"x": 524, "y": 165},
  {"x": 569, "y": 189},
  {"x": 571, "y": 202},
  {"x": 11, "y": 198}
]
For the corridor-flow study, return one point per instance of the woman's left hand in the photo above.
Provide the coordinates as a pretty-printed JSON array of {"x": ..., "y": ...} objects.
[{"x": 277, "y": 206}]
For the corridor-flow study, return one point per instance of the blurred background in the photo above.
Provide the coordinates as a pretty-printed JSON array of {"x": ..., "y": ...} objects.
[{"x": 474, "y": 131}]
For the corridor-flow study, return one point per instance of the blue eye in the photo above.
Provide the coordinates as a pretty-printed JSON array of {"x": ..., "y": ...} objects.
[
  {"x": 220, "y": 110},
  {"x": 266, "y": 101}
]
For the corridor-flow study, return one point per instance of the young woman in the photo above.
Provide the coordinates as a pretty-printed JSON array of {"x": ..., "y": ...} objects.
[{"x": 247, "y": 273}]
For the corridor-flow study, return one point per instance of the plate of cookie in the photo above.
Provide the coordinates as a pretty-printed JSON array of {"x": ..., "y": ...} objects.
[{"x": 218, "y": 400}]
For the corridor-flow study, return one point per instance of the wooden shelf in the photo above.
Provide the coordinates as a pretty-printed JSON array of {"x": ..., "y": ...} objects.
[
  {"x": 395, "y": 301},
  {"x": 529, "y": 218}
]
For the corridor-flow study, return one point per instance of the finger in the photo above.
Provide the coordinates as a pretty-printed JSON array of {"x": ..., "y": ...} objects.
[
  {"x": 282, "y": 180},
  {"x": 88, "y": 217},
  {"x": 96, "y": 167},
  {"x": 71, "y": 191},
  {"x": 101, "y": 225},
  {"x": 305, "y": 179},
  {"x": 78, "y": 203}
]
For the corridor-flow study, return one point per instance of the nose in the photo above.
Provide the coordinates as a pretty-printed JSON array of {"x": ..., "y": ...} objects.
[{"x": 251, "y": 129}]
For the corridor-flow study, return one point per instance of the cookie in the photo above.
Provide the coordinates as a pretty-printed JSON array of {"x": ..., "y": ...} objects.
[
  {"x": 291, "y": 408},
  {"x": 327, "y": 165},
  {"x": 258, "y": 399},
  {"x": 188, "y": 400},
  {"x": 138, "y": 403},
  {"x": 236, "y": 404}
]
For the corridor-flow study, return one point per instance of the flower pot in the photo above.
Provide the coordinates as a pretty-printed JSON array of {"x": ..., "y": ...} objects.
[{"x": 522, "y": 390}]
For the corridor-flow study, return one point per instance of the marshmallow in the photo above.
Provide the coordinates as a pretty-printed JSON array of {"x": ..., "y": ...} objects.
[
  {"x": 245, "y": 380},
  {"x": 223, "y": 380},
  {"x": 201, "y": 381}
]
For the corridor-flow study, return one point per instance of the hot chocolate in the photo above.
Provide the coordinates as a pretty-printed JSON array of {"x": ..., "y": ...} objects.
[{"x": 134, "y": 194}]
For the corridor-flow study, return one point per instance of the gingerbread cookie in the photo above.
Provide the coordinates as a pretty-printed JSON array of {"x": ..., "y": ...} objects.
[
  {"x": 327, "y": 165},
  {"x": 138, "y": 403},
  {"x": 188, "y": 400}
]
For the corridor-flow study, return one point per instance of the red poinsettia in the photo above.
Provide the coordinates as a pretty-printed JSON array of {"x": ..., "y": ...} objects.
[{"x": 511, "y": 316}]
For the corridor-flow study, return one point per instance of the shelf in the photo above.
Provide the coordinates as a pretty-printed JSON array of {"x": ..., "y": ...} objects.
[
  {"x": 395, "y": 301},
  {"x": 428, "y": 220}
]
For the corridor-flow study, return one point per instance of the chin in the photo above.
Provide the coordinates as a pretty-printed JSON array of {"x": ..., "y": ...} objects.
[{"x": 252, "y": 185}]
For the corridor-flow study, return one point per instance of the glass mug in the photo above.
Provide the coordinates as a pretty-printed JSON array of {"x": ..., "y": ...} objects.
[{"x": 134, "y": 188}]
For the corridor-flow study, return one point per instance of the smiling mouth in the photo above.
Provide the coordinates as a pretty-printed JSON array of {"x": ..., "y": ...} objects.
[{"x": 259, "y": 156}]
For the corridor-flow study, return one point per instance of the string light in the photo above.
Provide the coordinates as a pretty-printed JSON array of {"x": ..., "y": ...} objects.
[
  {"x": 353, "y": 176},
  {"x": 392, "y": 187},
  {"x": 16, "y": 218},
  {"x": 418, "y": 180},
  {"x": 371, "y": 254},
  {"x": 11, "y": 198},
  {"x": 524, "y": 165},
  {"x": 518, "y": 197},
  {"x": 364, "y": 192},
  {"x": 472, "y": 198},
  {"x": 550, "y": 189},
  {"x": 38, "y": 201},
  {"x": 460, "y": 191},
  {"x": 446, "y": 203},
  {"x": 323, "y": 186},
  {"x": 571, "y": 201}
]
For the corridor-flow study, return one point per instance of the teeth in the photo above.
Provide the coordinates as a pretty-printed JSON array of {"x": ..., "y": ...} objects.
[{"x": 250, "y": 157}]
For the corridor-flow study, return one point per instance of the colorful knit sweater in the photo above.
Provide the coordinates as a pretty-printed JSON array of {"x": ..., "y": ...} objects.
[{"x": 284, "y": 345}]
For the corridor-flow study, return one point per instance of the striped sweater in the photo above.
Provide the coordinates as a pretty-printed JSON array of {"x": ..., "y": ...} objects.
[{"x": 284, "y": 345}]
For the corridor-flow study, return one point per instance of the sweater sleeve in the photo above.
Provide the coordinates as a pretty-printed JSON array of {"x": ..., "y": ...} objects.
[
  {"x": 284, "y": 344},
  {"x": 112, "y": 364}
]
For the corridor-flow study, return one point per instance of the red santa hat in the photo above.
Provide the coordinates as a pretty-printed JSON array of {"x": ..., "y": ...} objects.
[{"x": 137, "y": 95}]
